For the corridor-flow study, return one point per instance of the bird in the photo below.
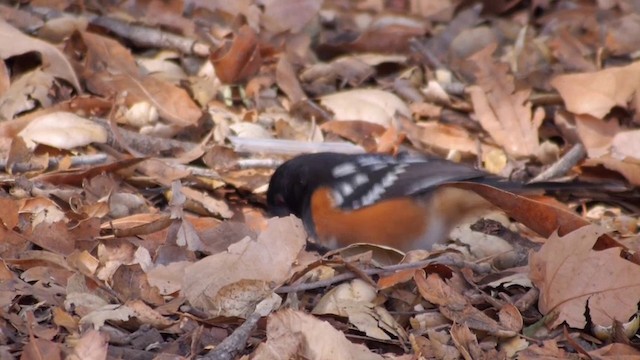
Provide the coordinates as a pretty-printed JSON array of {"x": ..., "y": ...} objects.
[{"x": 395, "y": 201}]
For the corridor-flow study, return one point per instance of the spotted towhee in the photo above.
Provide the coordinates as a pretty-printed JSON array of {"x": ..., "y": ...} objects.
[{"x": 380, "y": 199}]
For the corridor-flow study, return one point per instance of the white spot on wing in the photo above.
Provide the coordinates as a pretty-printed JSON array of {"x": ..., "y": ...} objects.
[
  {"x": 377, "y": 190},
  {"x": 360, "y": 179},
  {"x": 344, "y": 169},
  {"x": 373, "y": 195},
  {"x": 370, "y": 160},
  {"x": 337, "y": 198},
  {"x": 345, "y": 189}
]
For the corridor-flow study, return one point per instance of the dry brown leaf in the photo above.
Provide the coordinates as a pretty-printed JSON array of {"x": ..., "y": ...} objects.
[
  {"x": 352, "y": 70},
  {"x": 26, "y": 93},
  {"x": 91, "y": 346},
  {"x": 466, "y": 342},
  {"x": 77, "y": 176},
  {"x": 388, "y": 34},
  {"x": 354, "y": 300},
  {"x": 138, "y": 224},
  {"x": 616, "y": 351},
  {"x": 372, "y": 105},
  {"x": 441, "y": 10},
  {"x": 147, "y": 315},
  {"x": 596, "y": 93},
  {"x": 442, "y": 138},
  {"x": 541, "y": 216},
  {"x": 168, "y": 278},
  {"x": 9, "y": 212},
  {"x": 363, "y": 133},
  {"x": 121, "y": 75},
  {"x": 294, "y": 334},
  {"x": 596, "y": 134},
  {"x": 239, "y": 59},
  {"x": 84, "y": 262},
  {"x": 288, "y": 81},
  {"x": 62, "y": 130},
  {"x": 626, "y": 144},
  {"x": 233, "y": 282},
  {"x": 130, "y": 282},
  {"x": 284, "y": 15},
  {"x": 108, "y": 312},
  {"x": 620, "y": 38},
  {"x": 548, "y": 350},
  {"x": 53, "y": 236},
  {"x": 510, "y": 317},
  {"x": 629, "y": 169},
  {"x": 41, "y": 349},
  {"x": 504, "y": 112},
  {"x": 13, "y": 42},
  {"x": 571, "y": 52},
  {"x": 212, "y": 205},
  {"x": 455, "y": 306},
  {"x": 571, "y": 276},
  {"x": 437, "y": 344}
]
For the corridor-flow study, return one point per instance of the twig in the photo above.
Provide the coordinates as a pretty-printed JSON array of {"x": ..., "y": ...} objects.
[
  {"x": 563, "y": 165},
  {"x": 76, "y": 161},
  {"x": 151, "y": 37},
  {"x": 289, "y": 147},
  {"x": 450, "y": 261},
  {"x": 230, "y": 347},
  {"x": 258, "y": 163}
]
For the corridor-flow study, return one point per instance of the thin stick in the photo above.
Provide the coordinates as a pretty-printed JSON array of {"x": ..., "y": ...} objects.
[{"x": 563, "y": 165}]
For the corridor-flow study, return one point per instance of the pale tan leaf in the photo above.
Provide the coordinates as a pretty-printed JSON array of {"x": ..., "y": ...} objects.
[
  {"x": 284, "y": 15},
  {"x": 626, "y": 144},
  {"x": 373, "y": 105},
  {"x": 13, "y": 42},
  {"x": 597, "y": 92},
  {"x": 26, "y": 93},
  {"x": 504, "y": 112},
  {"x": 91, "y": 346},
  {"x": 233, "y": 282},
  {"x": 294, "y": 334},
  {"x": 571, "y": 276},
  {"x": 62, "y": 130}
]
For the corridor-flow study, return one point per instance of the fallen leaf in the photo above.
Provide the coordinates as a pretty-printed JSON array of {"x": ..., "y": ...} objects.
[
  {"x": 596, "y": 93},
  {"x": 542, "y": 217},
  {"x": 294, "y": 334},
  {"x": 443, "y": 138},
  {"x": 91, "y": 346},
  {"x": 108, "y": 312},
  {"x": 372, "y": 105},
  {"x": 574, "y": 278},
  {"x": 504, "y": 112},
  {"x": 283, "y": 15},
  {"x": 626, "y": 144},
  {"x": 466, "y": 342},
  {"x": 353, "y": 300},
  {"x": 231, "y": 283},
  {"x": 239, "y": 59},
  {"x": 26, "y": 93},
  {"x": 62, "y": 130},
  {"x": 456, "y": 307},
  {"x": 121, "y": 75},
  {"x": 596, "y": 134},
  {"x": 14, "y": 42}
]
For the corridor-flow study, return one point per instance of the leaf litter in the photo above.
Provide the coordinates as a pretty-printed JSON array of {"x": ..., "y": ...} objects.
[{"x": 138, "y": 139}]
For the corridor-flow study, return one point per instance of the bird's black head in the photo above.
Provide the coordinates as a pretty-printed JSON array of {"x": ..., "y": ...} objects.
[{"x": 293, "y": 183}]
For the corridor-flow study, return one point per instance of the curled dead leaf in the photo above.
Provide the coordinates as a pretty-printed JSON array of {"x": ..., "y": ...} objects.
[{"x": 238, "y": 59}]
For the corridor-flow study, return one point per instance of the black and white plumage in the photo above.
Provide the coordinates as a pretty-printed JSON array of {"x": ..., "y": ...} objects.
[{"x": 359, "y": 180}]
